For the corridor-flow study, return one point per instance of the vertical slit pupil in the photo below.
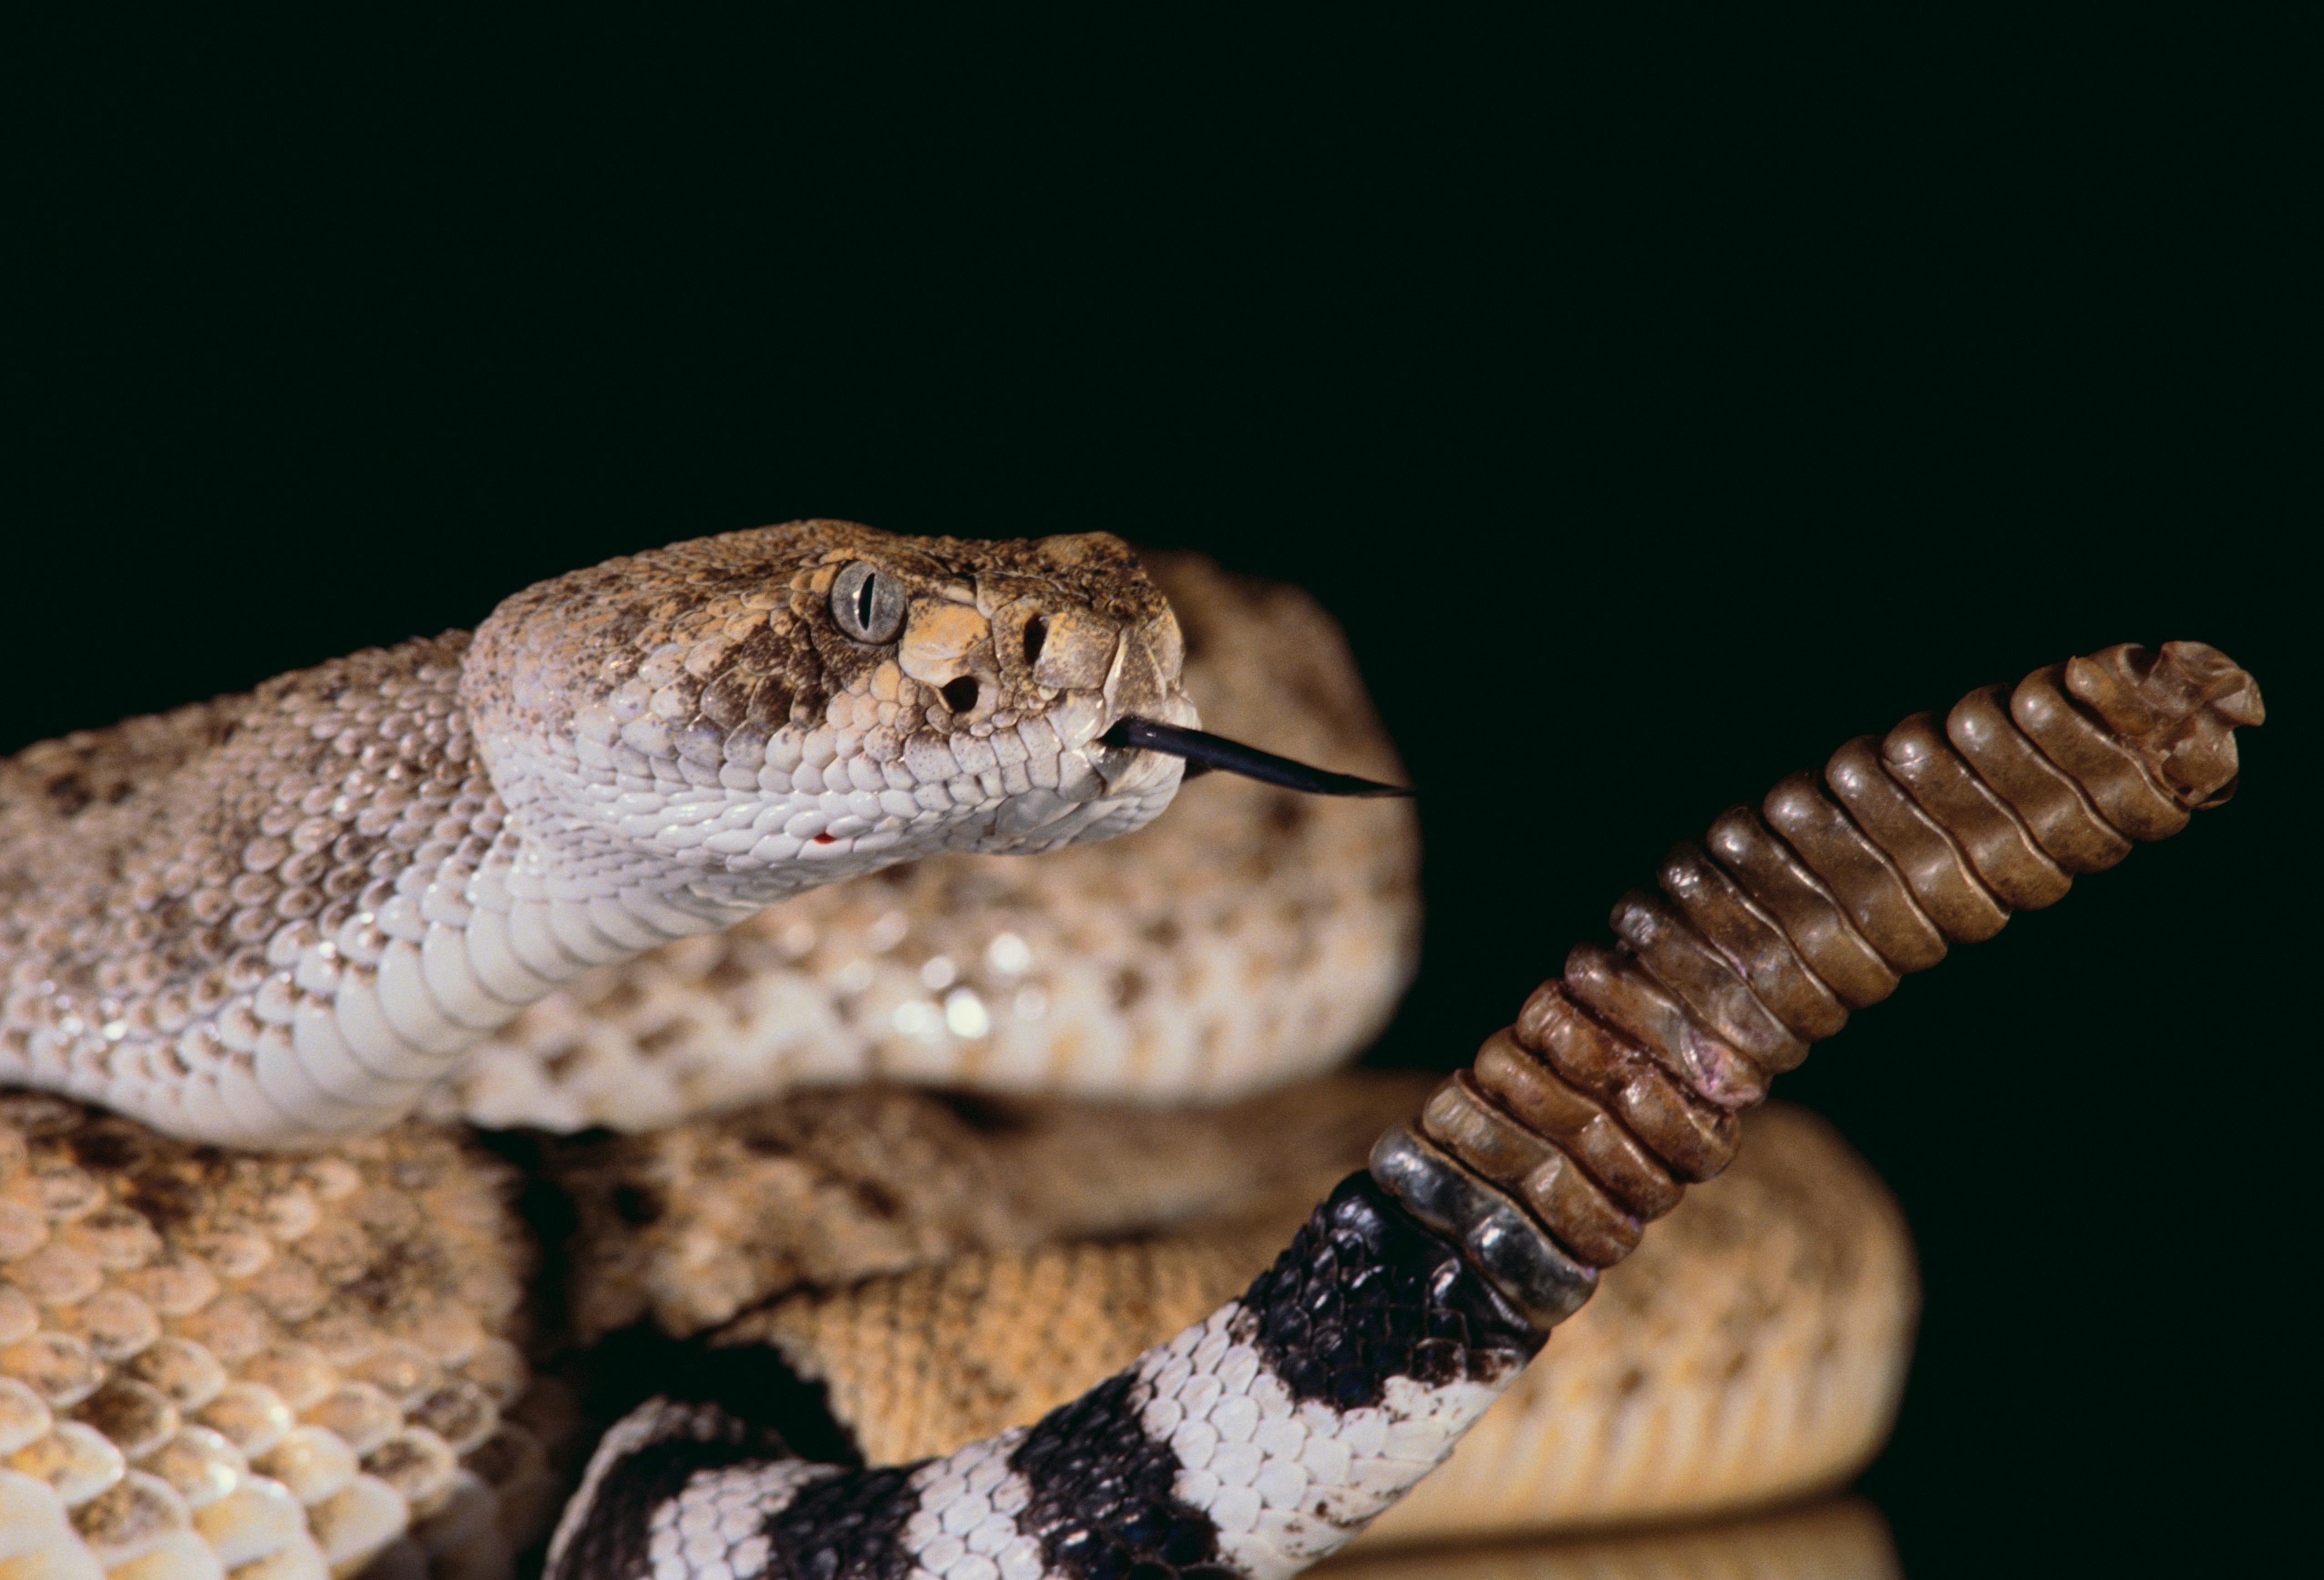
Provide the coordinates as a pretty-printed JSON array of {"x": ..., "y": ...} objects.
[
  {"x": 864, "y": 600},
  {"x": 1037, "y": 634}
]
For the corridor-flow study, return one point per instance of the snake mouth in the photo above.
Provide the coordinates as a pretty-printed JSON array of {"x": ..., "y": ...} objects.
[{"x": 1203, "y": 751}]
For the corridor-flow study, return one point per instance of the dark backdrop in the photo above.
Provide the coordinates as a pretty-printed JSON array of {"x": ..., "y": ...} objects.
[{"x": 1657, "y": 413}]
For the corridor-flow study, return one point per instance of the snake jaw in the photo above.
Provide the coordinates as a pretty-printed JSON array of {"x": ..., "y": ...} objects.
[{"x": 1103, "y": 790}]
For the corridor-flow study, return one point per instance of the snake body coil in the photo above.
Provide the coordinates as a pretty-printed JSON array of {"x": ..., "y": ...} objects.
[{"x": 274, "y": 920}]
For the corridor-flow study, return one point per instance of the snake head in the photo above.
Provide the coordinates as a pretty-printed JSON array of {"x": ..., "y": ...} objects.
[{"x": 741, "y": 716}]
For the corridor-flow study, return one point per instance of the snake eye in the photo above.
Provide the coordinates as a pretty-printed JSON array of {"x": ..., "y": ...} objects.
[{"x": 868, "y": 606}]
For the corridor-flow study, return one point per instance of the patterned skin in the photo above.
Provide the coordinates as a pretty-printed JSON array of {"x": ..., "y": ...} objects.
[
  {"x": 271, "y": 920},
  {"x": 1253, "y": 1443},
  {"x": 275, "y": 919}
]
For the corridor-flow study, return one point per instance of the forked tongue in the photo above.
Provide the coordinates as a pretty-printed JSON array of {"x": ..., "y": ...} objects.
[{"x": 1204, "y": 751}]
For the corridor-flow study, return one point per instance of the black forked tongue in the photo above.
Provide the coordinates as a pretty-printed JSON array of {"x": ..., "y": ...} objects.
[{"x": 1204, "y": 752}]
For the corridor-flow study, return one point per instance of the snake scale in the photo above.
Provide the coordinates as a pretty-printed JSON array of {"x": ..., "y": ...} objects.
[{"x": 261, "y": 1323}]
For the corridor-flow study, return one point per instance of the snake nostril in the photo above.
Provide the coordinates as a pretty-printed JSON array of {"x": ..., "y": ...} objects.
[
  {"x": 960, "y": 695},
  {"x": 1037, "y": 635}
]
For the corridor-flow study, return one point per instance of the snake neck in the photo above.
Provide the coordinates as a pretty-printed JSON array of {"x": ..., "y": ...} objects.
[
  {"x": 233, "y": 921},
  {"x": 275, "y": 919}
]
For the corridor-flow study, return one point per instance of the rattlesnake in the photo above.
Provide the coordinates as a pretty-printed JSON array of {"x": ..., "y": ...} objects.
[{"x": 278, "y": 922}]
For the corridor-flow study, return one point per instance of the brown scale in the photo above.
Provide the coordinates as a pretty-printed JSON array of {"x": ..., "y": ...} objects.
[{"x": 1623, "y": 1076}]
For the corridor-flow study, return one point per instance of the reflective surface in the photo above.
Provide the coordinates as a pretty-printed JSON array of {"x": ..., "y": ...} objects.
[{"x": 1844, "y": 1540}]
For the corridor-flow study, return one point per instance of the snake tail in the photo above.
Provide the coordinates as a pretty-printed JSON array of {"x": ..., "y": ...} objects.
[
  {"x": 1621, "y": 1080},
  {"x": 1261, "y": 1439},
  {"x": 1253, "y": 1443}
]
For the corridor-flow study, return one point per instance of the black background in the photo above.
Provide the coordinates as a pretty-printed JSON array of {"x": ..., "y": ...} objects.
[{"x": 1656, "y": 411}]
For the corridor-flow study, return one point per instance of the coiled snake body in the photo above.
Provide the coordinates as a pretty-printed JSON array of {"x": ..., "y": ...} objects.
[{"x": 276, "y": 924}]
